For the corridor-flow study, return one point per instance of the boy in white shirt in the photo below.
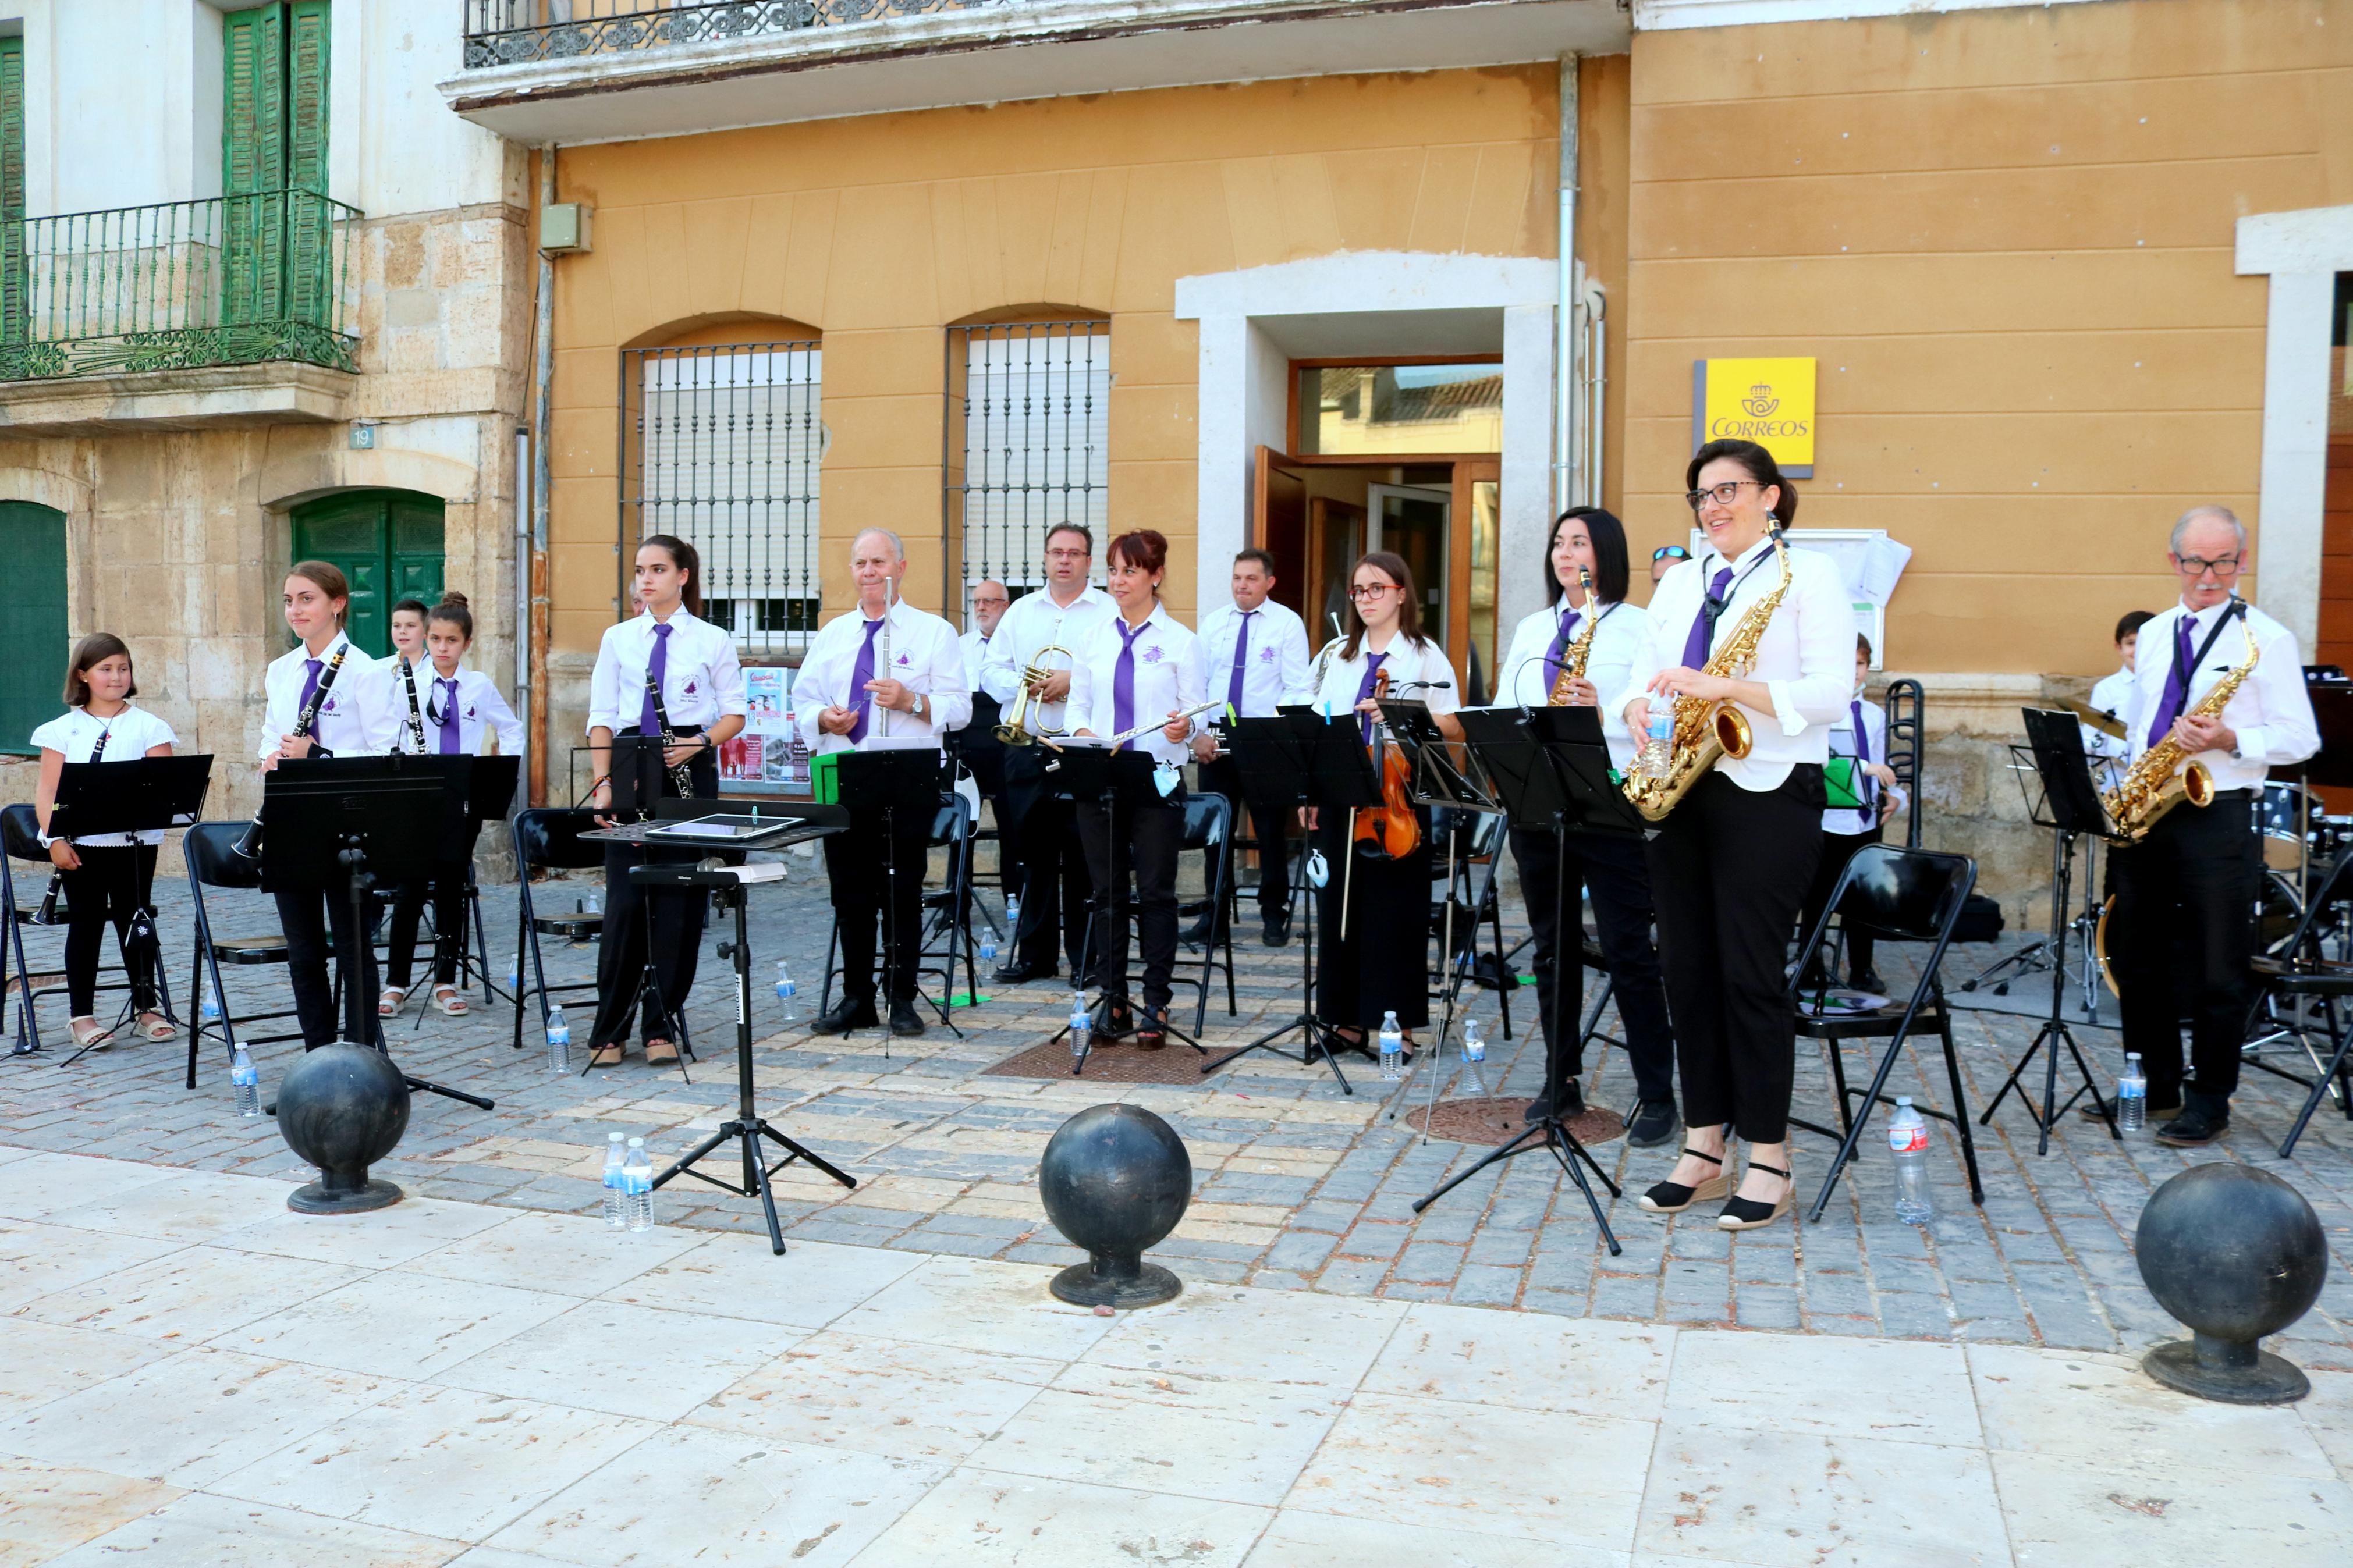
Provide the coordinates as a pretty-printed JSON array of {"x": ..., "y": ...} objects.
[{"x": 2114, "y": 695}]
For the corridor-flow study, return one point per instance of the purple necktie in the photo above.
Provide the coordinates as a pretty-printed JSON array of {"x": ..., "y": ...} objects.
[
  {"x": 1242, "y": 654},
  {"x": 1558, "y": 658},
  {"x": 859, "y": 674},
  {"x": 657, "y": 674},
  {"x": 1863, "y": 781},
  {"x": 1123, "y": 682},
  {"x": 310, "y": 686},
  {"x": 1363, "y": 690},
  {"x": 2177, "y": 684},
  {"x": 449, "y": 716},
  {"x": 1701, "y": 632}
]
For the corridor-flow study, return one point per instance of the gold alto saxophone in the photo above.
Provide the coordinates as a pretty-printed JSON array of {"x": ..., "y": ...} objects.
[
  {"x": 2151, "y": 787},
  {"x": 1706, "y": 731},
  {"x": 1580, "y": 648}
]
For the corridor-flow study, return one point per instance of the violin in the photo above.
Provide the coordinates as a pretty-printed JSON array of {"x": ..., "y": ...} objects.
[{"x": 1392, "y": 829}]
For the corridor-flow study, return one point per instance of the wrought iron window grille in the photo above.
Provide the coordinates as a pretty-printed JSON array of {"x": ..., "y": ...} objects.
[{"x": 1026, "y": 449}]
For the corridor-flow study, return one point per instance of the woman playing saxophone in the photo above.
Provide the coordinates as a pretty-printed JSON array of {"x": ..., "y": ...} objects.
[{"x": 1736, "y": 851}]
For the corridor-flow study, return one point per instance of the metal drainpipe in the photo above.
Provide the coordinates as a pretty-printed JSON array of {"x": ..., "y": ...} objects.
[
  {"x": 543, "y": 384},
  {"x": 524, "y": 705},
  {"x": 1565, "y": 447}
]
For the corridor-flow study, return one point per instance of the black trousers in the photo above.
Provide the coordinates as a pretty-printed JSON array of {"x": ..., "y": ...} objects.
[
  {"x": 858, "y": 864},
  {"x": 977, "y": 748},
  {"x": 1382, "y": 963},
  {"x": 1270, "y": 825},
  {"x": 1838, "y": 848},
  {"x": 1617, "y": 875},
  {"x": 1054, "y": 882},
  {"x": 1727, "y": 871},
  {"x": 2181, "y": 942},
  {"x": 669, "y": 924},
  {"x": 305, "y": 916},
  {"x": 111, "y": 886},
  {"x": 447, "y": 890},
  {"x": 1149, "y": 839}
]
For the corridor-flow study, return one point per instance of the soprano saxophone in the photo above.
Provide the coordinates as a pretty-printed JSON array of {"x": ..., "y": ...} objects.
[
  {"x": 1580, "y": 648},
  {"x": 1706, "y": 731},
  {"x": 2151, "y": 787}
]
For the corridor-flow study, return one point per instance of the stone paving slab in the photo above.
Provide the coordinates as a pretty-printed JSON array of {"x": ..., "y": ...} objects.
[
  {"x": 485, "y": 1387},
  {"x": 1298, "y": 1186}
]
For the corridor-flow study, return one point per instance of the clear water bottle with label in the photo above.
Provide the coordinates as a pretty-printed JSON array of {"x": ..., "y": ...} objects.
[
  {"x": 1013, "y": 913},
  {"x": 1658, "y": 740},
  {"x": 788, "y": 994},
  {"x": 248, "y": 1081},
  {"x": 1474, "y": 1060},
  {"x": 1392, "y": 1048},
  {"x": 559, "y": 1040},
  {"x": 638, "y": 1182},
  {"x": 208, "y": 1010},
  {"x": 596, "y": 902},
  {"x": 988, "y": 949},
  {"x": 514, "y": 970},
  {"x": 1082, "y": 1027},
  {"x": 616, "y": 1215},
  {"x": 2132, "y": 1095},
  {"x": 1907, "y": 1139}
]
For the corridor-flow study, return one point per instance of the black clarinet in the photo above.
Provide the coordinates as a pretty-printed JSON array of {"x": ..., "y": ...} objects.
[
  {"x": 680, "y": 778},
  {"x": 416, "y": 723},
  {"x": 249, "y": 846},
  {"x": 46, "y": 915}
]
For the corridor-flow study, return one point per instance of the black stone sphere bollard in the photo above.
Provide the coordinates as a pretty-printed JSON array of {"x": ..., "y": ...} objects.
[
  {"x": 342, "y": 1107},
  {"x": 1115, "y": 1180},
  {"x": 2235, "y": 1253}
]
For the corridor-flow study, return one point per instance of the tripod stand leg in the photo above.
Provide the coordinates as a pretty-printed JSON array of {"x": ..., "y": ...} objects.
[
  {"x": 755, "y": 1171},
  {"x": 807, "y": 1156},
  {"x": 1518, "y": 1144},
  {"x": 697, "y": 1153},
  {"x": 1555, "y": 1137}
]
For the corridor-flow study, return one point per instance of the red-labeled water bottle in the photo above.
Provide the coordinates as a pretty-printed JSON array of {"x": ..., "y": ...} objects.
[{"x": 1907, "y": 1138}]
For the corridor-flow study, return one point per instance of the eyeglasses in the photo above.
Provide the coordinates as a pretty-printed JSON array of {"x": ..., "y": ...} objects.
[
  {"x": 1724, "y": 494},
  {"x": 2195, "y": 567},
  {"x": 1068, "y": 555},
  {"x": 1669, "y": 552},
  {"x": 1372, "y": 590}
]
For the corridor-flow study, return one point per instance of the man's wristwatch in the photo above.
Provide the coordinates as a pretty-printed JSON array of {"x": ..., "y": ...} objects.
[{"x": 922, "y": 706}]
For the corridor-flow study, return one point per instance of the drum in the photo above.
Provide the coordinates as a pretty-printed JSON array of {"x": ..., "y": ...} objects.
[{"x": 2286, "y": 818}]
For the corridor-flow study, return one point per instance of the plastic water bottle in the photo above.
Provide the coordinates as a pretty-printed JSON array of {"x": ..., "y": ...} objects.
[
  {"x": 595, "y": 904},
  {"x": 1392, "y": 1048},
  {"x": 248, "y": 1081},
  {"x": 208, "y": 1009},
  {"x": 616, "y": 1195},
  {"x": 2132, "y": 1095},
  {"x": 1013, "y": 912},
  {"x": 559, "y": 1041},
  {"x": 788, "y": 994},
  {"x": 1082, "y": 1027},
  {"x": 988, "y": 949},
  {"x": 514, "y": 970},
  {"x": 1474, "y": 1057},
  {"x": 1908, "y": 1137},
  {"x": 638, "y": 1184},
  {"x": 1658, "y": 741}
]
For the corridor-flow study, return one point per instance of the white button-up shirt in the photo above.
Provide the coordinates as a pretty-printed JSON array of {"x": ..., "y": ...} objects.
[
  {"x": 1036, "y": 622},
  {"x": 1851, "y": 819},
  {"x": 1275, "y": 662},
  {"x": 350, "y": 721},
  {"x": 2271, "y": 713},
  {"x": 130, "y": 735},
  {"x": 2112, "y": 694},
  {"x": 1804, "y": 658},
  {"x": 1411, "y": 669},
  {"x": 975, "y": 652},
  {"x": 1167, "y": 666},
  {"x": 702, "y": 679},
  {"x": 924, "y": 657},
  {"x": 478, "y": 707},
  {"x": 1617, "y": 640}
]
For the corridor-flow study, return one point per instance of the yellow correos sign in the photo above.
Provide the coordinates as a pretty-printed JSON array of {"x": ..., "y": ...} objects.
[{"x": 1767, "y": 401}]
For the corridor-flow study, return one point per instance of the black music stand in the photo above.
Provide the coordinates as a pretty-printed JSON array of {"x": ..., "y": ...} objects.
[
  {"x": 896, "y": 778},
  {"x": 1080, "y": 772},
  {"x": 354, "y": 818},
  {"x": 1551, "y": 770},
  {"x": 138, "y": 796},
  {"x": 2069, "y": 806},
  {"x": 1308, "y": 759},
  {"x": 728, "y": 886}
]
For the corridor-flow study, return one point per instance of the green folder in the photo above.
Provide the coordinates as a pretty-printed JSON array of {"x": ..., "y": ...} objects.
[
  {"x": 1838, "y": 782},
  {"x": 825, "y": 779}
]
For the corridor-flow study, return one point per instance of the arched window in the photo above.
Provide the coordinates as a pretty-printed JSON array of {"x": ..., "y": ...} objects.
[
  {"x": 1028, "y": 446},
  {"x": 33, "y": 632}
]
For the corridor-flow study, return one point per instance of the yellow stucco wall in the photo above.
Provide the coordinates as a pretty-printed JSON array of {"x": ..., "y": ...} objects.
[
  {"x": 879, "y": 232},
  {"x": 2008, "y": 237}
]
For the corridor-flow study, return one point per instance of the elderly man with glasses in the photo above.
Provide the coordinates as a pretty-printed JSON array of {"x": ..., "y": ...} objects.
[{"x": 2181, "y": 941}]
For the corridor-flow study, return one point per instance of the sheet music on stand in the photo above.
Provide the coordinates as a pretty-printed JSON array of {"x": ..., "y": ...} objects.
[{"x": 1446, "y": 774}]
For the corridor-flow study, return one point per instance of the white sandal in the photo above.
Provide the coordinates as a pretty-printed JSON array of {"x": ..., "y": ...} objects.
[
  {"x": 95, "y": 1038},
  {"x": 451, "y": 1001},
  {"x": 389, "y": 1004}
]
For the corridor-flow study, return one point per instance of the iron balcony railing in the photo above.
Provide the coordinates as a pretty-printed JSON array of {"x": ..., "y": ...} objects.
[
  {"x": 177, "y": 286},
  {"x": 516, "y": 32}
]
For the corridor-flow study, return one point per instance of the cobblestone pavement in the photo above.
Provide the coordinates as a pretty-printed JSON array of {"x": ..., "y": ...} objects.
[{"x": 1297, "y": 1186}]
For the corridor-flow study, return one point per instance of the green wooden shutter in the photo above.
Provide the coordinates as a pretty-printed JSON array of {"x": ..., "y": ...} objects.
[
  {"x": 33, "y": 632},
  {"x": 15, "y": 302},
  {"x": 308, "y": 235}
]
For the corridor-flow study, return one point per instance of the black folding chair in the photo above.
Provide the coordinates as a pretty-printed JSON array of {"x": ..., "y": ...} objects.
[
  {"x": 214, "y": 862},
  {"x": 548, "y": 839},
  {"x": 2301, "y": 973},
  {"x": 1209, "y": 822},
  {"x": 20, "y": 838},
  {"x": 1897, "y": 895}
]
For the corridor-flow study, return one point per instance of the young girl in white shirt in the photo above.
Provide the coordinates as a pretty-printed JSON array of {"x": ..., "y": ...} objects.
[
  {"x": 107, "y": 876},
  {"x": 456, "y": 705}
]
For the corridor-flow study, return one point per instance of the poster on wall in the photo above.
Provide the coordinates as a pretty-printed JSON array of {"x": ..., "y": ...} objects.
[
  {"x": 1767, "y": 401},
  {"x": 769, "y": 754}
]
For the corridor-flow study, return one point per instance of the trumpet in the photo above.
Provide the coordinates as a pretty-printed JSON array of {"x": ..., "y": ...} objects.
[{"x": 1015, "y": 730}]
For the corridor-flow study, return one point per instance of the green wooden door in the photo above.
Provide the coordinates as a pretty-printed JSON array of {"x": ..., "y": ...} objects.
[
  {"x": 388, "y": 542},
  {"x": 34, "y": 644}
]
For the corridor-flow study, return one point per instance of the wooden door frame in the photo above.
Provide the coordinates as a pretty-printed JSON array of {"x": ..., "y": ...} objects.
[{"x": 1468, "y": 471}]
